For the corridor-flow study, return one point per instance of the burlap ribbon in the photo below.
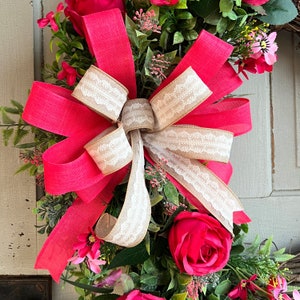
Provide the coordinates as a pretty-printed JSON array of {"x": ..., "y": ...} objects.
[{"x": 149, "y": 124}]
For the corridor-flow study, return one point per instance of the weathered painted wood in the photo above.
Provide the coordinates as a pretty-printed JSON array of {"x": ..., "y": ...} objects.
[
  {"x": 17, "y": 192},
  {"x": 286, "y": 172},
  {"x": 251, "y": 153}
]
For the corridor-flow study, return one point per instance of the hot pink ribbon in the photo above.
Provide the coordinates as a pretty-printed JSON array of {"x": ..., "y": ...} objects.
[{"x": 68, "y": 167}]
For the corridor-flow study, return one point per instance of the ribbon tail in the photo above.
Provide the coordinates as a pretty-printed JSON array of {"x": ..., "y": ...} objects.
[
  {"x": 58, "y": 247},
  {"x": 209, "y": 191},
  {"x": 131, "y": 226}
]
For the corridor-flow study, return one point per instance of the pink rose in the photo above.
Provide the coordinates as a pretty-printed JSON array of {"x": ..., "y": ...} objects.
[
  {"x": 255, "y": 2},
  {"x": 198, "y": 243},
  {"x": 138, "y": 295},
  {"x": 164, "y": 2},
  {"x": 77, "y": 8}
]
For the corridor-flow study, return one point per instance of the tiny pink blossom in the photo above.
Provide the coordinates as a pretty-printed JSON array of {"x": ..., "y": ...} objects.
[
  {"x": 67, "y": 72},
  {"x": 94, "y": 261},
  {"x": 50, "y": 18}
]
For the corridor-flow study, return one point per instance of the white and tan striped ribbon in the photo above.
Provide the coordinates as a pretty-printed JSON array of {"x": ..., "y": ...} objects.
[{"x": 149, "y": 124}]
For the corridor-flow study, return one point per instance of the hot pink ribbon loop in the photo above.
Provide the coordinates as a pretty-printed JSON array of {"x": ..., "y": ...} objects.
[{"x": 109, "y": 43}]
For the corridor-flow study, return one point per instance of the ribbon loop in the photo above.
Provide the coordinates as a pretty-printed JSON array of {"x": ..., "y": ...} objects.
[
  {"x": 110, "y": 150},
  {"x": 178, "y": 98},
  {"x": 101, "y": 93},
  {"x": 194, "y": 142}
]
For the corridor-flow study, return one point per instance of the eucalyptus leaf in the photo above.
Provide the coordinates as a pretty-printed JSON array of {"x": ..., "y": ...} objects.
[{"x": 279, "y": 12}]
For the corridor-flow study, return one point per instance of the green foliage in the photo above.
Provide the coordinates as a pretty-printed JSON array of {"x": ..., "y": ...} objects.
[
  {"x": 279, "y": 12},
  {"x": 50, "y": 209}
]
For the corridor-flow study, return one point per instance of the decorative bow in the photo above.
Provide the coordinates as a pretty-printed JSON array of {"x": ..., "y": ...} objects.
[{"x": 69, "y": 167}]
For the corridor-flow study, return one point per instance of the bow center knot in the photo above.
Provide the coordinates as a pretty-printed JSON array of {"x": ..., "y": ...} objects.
[{"x": 137, "y": 114}]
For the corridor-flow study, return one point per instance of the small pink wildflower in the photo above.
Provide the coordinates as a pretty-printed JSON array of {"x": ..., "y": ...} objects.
[
  {"x": 50, "y": 18},
  {"x": 88, "y": 249},
  {"x": 277, "y": 288},
  {"x": 146, "y": 21},
  {"x": 87, "y": 242},
  {"x": 67, "y": 72},
  {"x": 94, "y": 261},
  {"x": 265, "y": 46},
  {"x": 158, "y": 66},
  {"x": 241, "y": 290},
  {"x": 32, "y": 157}
]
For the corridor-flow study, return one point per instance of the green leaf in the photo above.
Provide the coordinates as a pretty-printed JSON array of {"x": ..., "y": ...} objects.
[
  {"x": 24, "y": 167},
  {"x": 6, "y": 119},
  {"x": 190, "y": 35},
  {"x": 107, "y": 297},
  {"x": 88, "y": 287},
  {"x": 18, "y": 105},
  {"x": 149, "y": 279},
  {"x": 19, "y": 135},
  {"x": 213, "y": 18},
  {"x": 130, "y": 256},
  {"x": 279, "y": 12},
  {"x": 182, "y": 4},
  {"x": 181, "y": 296},
  {"x": 178, "y": 38},
  {"x": 7, "y": 133},
  {"x": 171, "y": 193},
  {"x": 12, "y": 110},
  {"x": 77, "y": 44},
  {"x": 223, "y": 287},
  {"x": 266, "y": 248},
  {"x": 283, "y": 257},
  {"x": 212, "y": 297},
  {"x": 203, "y": 8},
  {"x": 184, "y": 15},
  {"x": 26, "y": 145},
  {"x": 226, "y": 5},
  {"x": 222, "y": 25}
]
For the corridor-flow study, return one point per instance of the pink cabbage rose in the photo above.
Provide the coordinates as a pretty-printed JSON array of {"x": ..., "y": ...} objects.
[
  {"x": 164, "y": 2},
  {"x": 255, "y": 2},
  {"x": 198, "y": 243},
  {"x": 77, "y": 8},
  {"x": 138, "y": 295}
]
